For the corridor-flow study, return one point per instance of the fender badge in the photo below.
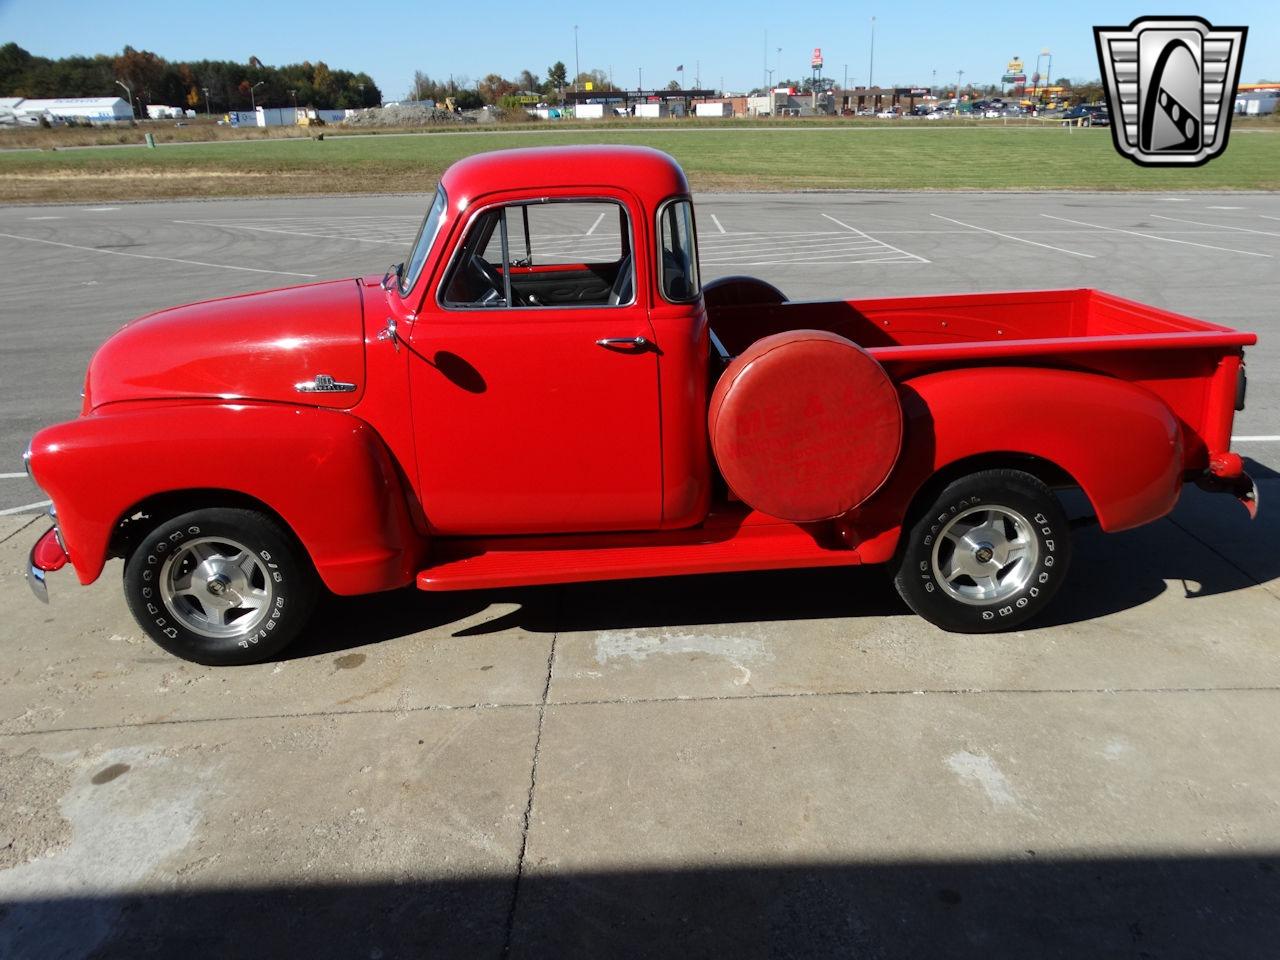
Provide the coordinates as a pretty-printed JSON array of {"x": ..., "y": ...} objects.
[{"x": 323, "y": 383}]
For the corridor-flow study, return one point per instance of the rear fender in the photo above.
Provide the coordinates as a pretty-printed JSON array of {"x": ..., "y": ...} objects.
[
  {"x": 1119, "y": 442},
  {"x": 325, "y": 473}
]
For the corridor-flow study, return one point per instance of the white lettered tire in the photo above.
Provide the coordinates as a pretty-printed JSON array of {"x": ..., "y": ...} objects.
[
  {"x": 220, "y": 587},
  {"x": 987, "y": 554}
]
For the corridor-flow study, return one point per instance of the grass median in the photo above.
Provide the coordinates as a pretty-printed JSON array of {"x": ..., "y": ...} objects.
[{"x": 738, "y": 158}]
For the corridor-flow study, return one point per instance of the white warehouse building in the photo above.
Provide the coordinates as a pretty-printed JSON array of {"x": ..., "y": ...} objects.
[{"x": 100, "y": 109}]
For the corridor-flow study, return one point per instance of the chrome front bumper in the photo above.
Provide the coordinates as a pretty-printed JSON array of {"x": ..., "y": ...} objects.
[
  {"x": 36, "y": 579},
  {"x": 49, "y": 553}
]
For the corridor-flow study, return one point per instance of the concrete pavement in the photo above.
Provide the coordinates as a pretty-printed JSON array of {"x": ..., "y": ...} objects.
[{"x": 767, "y": 765}]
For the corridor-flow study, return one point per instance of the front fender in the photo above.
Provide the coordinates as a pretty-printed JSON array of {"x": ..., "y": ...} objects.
[
  {"x": 1119, "y": 442},
  {"x": 325, "y": 473}
]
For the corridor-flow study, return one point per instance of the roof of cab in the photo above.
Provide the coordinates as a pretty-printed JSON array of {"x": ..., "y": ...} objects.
[{"x": 650, "y": 174}]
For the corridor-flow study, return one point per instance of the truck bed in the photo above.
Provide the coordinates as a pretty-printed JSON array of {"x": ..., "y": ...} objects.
[
  {"x": 1191, "y": 364},
  {"x": 976, "y": 326}
]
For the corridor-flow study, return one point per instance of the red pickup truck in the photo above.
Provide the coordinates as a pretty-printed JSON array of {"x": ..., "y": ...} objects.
[{"x": 546, "y": 392}]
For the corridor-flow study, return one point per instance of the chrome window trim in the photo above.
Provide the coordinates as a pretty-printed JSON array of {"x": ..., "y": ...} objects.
[
  {"x": 657, "y": 249},
  {"x": 462, "y": 242}
]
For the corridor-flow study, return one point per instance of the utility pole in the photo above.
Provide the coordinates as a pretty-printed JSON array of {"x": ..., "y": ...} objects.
[
  {"x": 576, "y": 69},
  {"x": 129, "y": 91},
  {"x": 871, "y": 64},
  {"x": 845, "y": 85},
  {"x": 765, "y": 70},
  {"x": 253, "y": 104},
  {"x": 697, "y": 74},
  {"x": 207, "y": 111}
]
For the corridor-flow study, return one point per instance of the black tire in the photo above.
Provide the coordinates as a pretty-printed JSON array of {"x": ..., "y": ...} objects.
[
  {"x": 264, "y": 578},
  {"x": 933, "y": 574}
]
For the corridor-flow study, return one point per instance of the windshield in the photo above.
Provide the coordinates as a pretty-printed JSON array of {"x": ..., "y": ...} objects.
[{"x": 422, "y": 245}]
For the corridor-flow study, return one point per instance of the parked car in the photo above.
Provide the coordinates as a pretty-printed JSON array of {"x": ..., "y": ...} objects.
[
  {"x": 1086, "y": 116},
  {"x": 508, "y": 407}
]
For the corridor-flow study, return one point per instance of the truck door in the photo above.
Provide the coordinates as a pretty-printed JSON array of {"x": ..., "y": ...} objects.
[{"x": 534, "y": 375}]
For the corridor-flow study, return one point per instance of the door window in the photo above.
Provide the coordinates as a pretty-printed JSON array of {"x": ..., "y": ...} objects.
[{"x": 545, "y": 254}]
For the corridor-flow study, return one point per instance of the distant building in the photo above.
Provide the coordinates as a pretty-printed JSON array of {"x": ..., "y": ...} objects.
[
  {"x": 1257, "y": 103},
  {"x": 93, "y": 109}
]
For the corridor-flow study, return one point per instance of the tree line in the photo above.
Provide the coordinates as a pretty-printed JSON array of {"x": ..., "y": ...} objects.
[
  {"x": 494, "y": 88},
  {"x": 215, "y": 85}
]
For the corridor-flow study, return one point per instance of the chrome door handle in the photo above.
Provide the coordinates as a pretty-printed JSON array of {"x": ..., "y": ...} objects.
[{"x": 638, "y": 343}]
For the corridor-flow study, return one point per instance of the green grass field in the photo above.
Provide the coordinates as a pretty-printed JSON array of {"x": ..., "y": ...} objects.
[{"x": 739, "y": 158}]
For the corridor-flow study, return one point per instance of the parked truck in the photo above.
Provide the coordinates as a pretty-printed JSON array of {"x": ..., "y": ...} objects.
[{"x": 545, "y": 391}]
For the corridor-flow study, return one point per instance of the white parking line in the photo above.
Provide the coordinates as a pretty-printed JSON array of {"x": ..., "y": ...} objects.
[
  {"x": 292, "y": 233},
  {"x": 1261, "y": 439},
  {"x": 147, "y": 256},
  {"x": 100, "y": 209},
  {"x": 1265, "y": 217},
  {"x": 719, "y": 225},
  {"x": 1221, "y": 226},
  {"x": 25, "y": 508},
  {"x": 1224, "y": 208},
  {"x": 594, "y": 225},
  {"x": 12, "y": 476},
  {"x": 45, "y": 218},
  {"x": 996, "y": 233},
  {"x": 1152, "y": 236},
  {"x": 911, "y": 256}
]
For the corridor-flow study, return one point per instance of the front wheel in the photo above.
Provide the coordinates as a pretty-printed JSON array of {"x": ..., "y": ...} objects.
[
  {"x": 987, "y": 555},
  {"x": 220, "y": 587}
]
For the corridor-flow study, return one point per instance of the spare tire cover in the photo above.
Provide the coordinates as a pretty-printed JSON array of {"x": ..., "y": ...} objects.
[{"x": 805, "y": 425}]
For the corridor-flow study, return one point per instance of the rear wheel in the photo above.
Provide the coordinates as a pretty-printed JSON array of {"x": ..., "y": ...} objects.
[
  {"x": 987, "y": 555},
  {"x": 221, "y": 586}
]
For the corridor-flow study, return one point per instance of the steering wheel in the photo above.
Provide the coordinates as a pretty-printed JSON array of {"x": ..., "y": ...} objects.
[{"x": 490, "y": 276}]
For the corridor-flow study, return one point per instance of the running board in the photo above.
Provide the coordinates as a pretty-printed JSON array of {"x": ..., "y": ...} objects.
[{"x": 538, "y": 561}]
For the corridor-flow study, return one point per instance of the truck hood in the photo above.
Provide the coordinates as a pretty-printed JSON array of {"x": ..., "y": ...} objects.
[{"x": 253, "y": 347}]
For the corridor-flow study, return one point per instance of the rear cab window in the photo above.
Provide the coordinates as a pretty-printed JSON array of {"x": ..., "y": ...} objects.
[{"x": 678, "y": 252}]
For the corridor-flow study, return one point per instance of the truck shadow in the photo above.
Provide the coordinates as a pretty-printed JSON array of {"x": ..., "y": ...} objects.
[
  {"x": 1207, "y": 548},
  {"x": 1012, "y": 907}
]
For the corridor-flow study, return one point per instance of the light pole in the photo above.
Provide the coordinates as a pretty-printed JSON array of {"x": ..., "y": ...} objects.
[
  {"x": 871, "y": 63},
  {"x": 959, "y": 75},
  {"x": 253, "y": 104},
  {"x": 1049, "y": 69},
  {"x": 361, "y": 88},
  {"x": 207, "y": 111},
  {"x": 576, "y": 69},
  {"x": 778, "y": 65},
  {"x": 129, "y": 91},
  {"x": 639, "y": 79}
]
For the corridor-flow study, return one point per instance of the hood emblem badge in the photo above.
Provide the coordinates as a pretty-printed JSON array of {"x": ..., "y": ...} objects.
[{"x": 323, "y": 383}]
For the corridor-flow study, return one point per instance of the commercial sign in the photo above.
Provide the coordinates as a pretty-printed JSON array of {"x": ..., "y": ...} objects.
[
  {"x": 816, "y": 60},
  {"x": 1014, "y": 78},
  {"x": 1015, "y": 65}
]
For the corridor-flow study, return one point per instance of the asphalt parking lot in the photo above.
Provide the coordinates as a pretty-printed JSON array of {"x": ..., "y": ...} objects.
[{"x": 770, "y": 764}]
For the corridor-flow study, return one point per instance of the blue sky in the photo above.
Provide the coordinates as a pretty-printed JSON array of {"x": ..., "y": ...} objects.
[{"x": 391, "y": 39}]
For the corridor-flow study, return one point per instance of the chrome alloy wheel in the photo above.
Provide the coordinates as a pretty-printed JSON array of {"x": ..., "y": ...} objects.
[
  {"x": 985, "y": 554},
  {"x": 216, "y": 587}
]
